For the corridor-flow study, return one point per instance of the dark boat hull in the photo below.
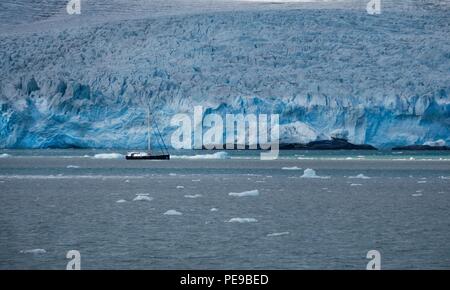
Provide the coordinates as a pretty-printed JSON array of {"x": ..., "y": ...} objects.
[{"x": 150, "y": 157}]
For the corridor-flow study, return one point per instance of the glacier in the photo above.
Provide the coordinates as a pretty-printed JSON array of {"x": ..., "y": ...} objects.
[{"x": 328, "y": 68}]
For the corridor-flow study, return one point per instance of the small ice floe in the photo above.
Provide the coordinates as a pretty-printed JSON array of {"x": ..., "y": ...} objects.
[
  {"x": 72, "y": 166},
  {"x": 172, "y": 174},
  {"x": 121, "y": 201},
  {"x": 278, "y": 234},
  {"x": 291, "y": 168},
  {"x": 172, "y": 212},
  {"x": 422, "y": 181},
  {"x": 217, "y": 155},
  {"x": 34, "y": 251},
  {"x": 245, "y": 193},
  {"x": 359, "y": 176},
  {"x": 180, "y": 186},
  {"x": 193, "y": 195},
  {"x": 311, "y": 173},
  {"x": 260, "y": 181},
  {"x": 445, "y": 177},
  {"x": 4, "y": 155},
  {"x": 242, "y": 220},
  {"x": 196, "y": 180},
  {"x": 355, "y": 184},
  {"x": 214, "y": 209},
  {"x": 127, "y": 181},
  {"x": 142, "y": 197},
  {"x": 417, "y": 194},
  {"x": 108, "y": 156}
]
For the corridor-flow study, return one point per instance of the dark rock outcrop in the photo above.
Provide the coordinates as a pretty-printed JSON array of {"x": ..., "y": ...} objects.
[{"x": 333, "y": 144}]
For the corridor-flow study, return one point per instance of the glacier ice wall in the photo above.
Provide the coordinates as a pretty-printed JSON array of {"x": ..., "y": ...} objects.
[{"x": 383, "y": 79}]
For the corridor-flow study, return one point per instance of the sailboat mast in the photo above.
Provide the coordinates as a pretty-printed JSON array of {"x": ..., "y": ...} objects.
[{"x": 148, "y": 130}]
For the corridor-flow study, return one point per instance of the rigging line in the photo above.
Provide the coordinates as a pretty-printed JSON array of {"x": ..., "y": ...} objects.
[{"x": 159, "y": 133}]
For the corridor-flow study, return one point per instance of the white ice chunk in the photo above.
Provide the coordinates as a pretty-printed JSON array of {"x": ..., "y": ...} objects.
[
  {"x": 172, "y": 212},
  {"x": 291, "y": 168},
  {"x": 217, "y": 155},
  {"x": 121, "y": 201},
  {"x": 360, "y": 176},
  {"x": 214, "y": 209},
  {"x": 143, "y": 197},
  {"x": 34, "y": 251},
  {"x": 4, "y": 155},
  {"x": 193, "y": 195},
  {"x": 73, "y": 166},
  {"x": 108, "y": 156},
  {"x": 311, "y": 173},
  {"x": 245, "y": 193},
  {"x": 242, "y": 220},
  {"x": 278, "y": 234}
]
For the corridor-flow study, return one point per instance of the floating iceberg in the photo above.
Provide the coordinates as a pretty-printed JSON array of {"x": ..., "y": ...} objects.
[
  {"x": 214, "y": 209},
  {"x": 121, "y": 201},
  {"x": 355, "y": 184},
  {"x": 193, "y": 195},
  {"x": 180, "y": 186},
  {"x": 245, "y": 193},
  {"x": 278, "y": 234},
  {"x": 311, "y": 173},
  {"x": 359, "y": 176},
  {"x": 108, "y": 156},
  {"x": 143, "y": 197},
  {"x": 4, "y": 155},
  {"x": 172, "y": 212},
  {"x": 242, "y": 220},
  {"x": 291, "y": 168},
  {"x": 72, "y": 166},
  {"x": 34, "y": 251},
  {"x": 217, "y": 155}
]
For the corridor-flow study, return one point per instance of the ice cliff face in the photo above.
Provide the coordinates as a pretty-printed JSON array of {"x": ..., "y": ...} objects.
[{"x": 85, "y": 82}]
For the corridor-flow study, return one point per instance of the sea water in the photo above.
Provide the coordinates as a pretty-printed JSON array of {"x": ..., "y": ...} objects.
[{"x": 194, "y": 212}]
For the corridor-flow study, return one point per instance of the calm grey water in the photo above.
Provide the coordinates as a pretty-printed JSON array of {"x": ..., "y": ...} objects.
[{"x": 61, "y": 200}]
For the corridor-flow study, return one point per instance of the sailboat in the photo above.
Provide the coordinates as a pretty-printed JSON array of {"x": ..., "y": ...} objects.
[{"x": 148, "y": 155}]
